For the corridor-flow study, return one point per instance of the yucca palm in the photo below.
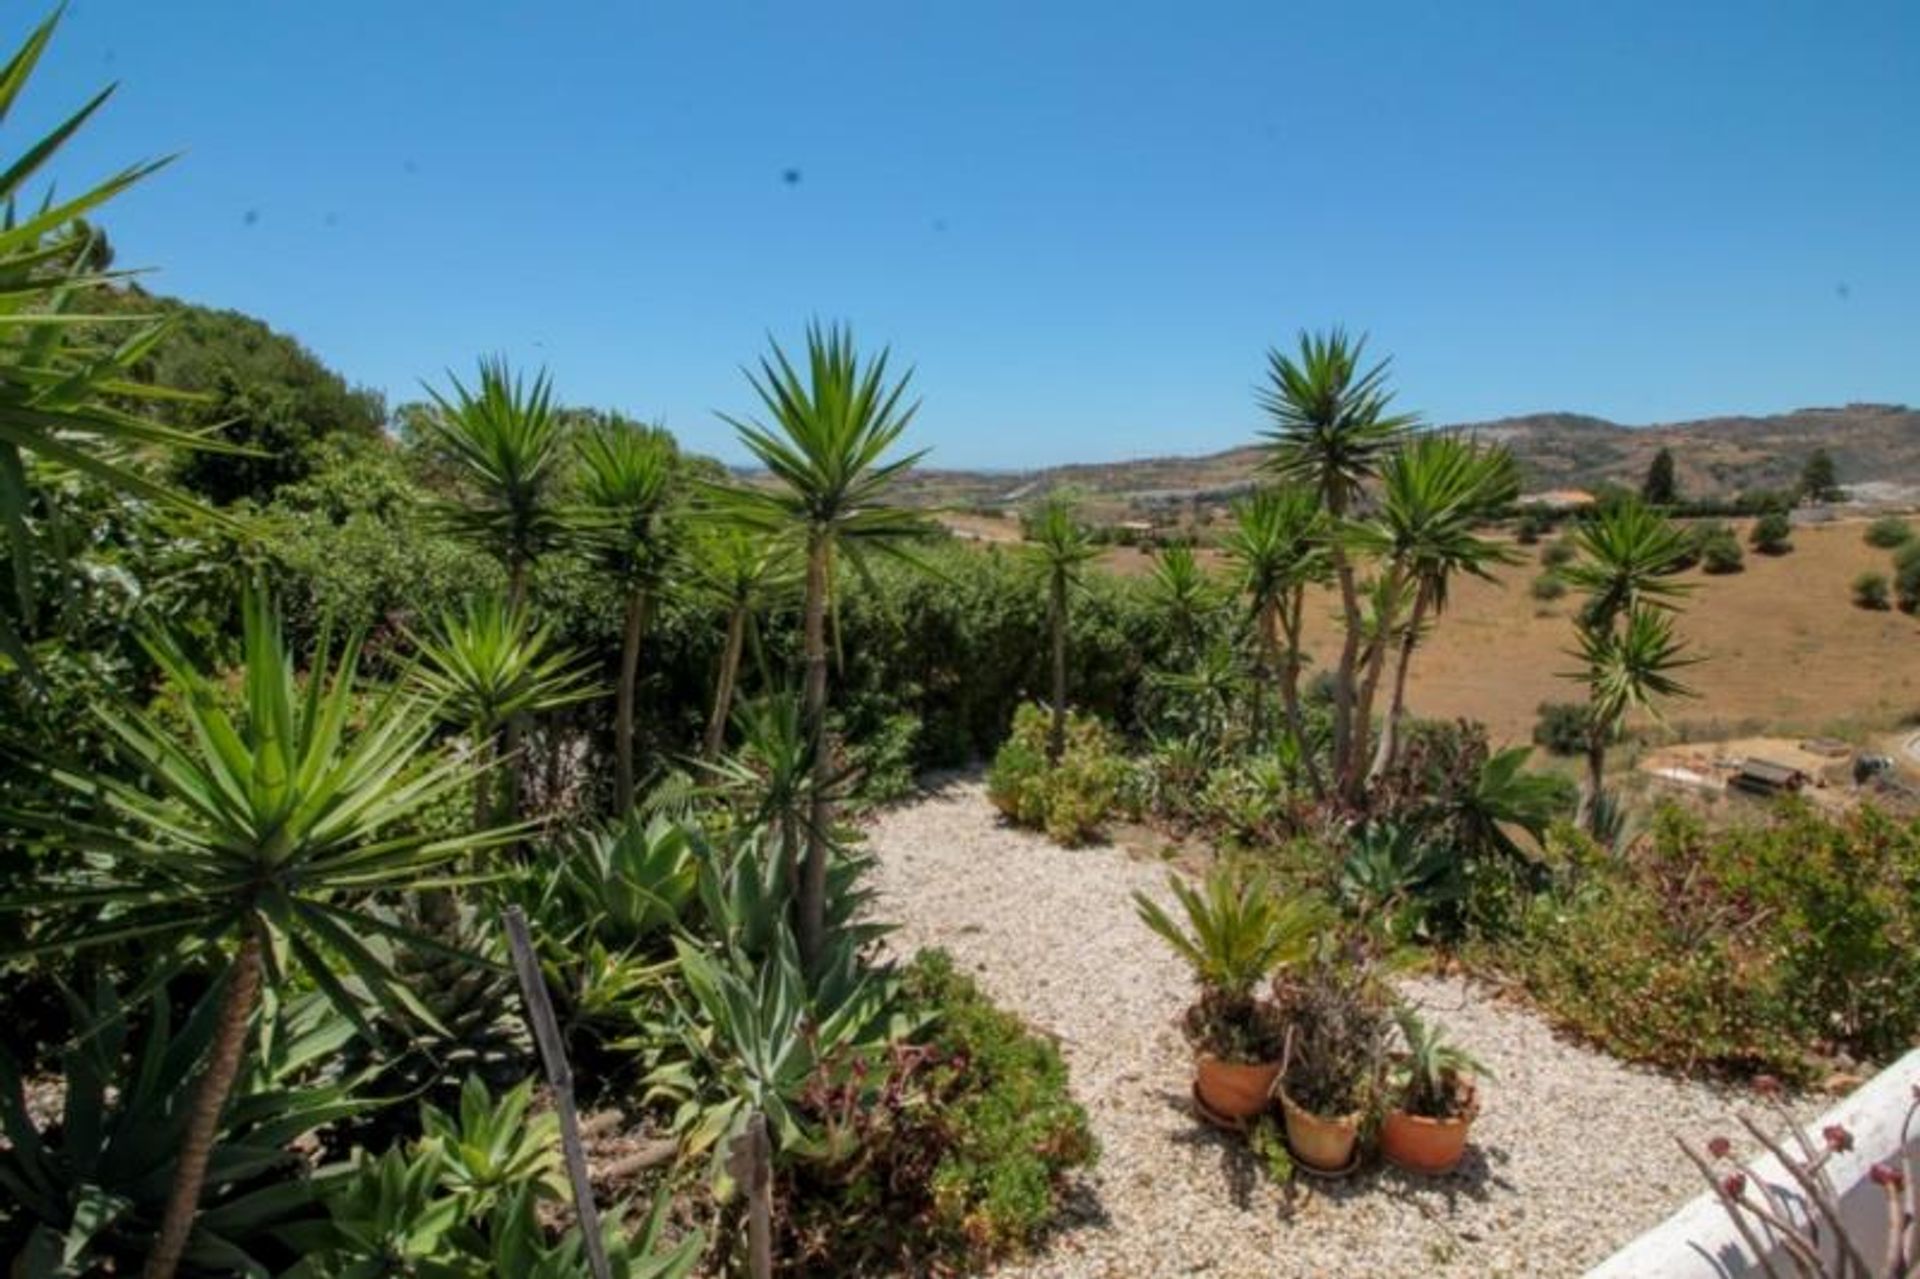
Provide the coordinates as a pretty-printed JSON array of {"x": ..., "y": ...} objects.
[
  {"x": 630, "y": 522},
  {"x": 1277, "y": 549},
  {"x": 1628, "y": 555},
  {"x": 829, "y": 480},
  {"x": 506, "y": 443},
  {"x": 1180, "y": 590},
  {"x": 1063, "y": 547},
  {"x": 67, "y": 379},
  {"x": 268, "y": 830},
  {"x": 1332, "y": 430},
  {"x": 485, "y": 664},
  {"x": 1626, "y": 667},
  {"x": 1435, "y": 493},
  {"x": 741, "y": 573}
]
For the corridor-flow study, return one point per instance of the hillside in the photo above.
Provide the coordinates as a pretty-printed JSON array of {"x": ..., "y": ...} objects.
[{"x": 1715, "y": 457}]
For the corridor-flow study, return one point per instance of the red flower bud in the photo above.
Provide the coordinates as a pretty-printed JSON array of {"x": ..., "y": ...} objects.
[
  {"x": 1719, "y": 1147},
  {"x": 1735, "y": 1184},
  {"x": 1887, "y": 1175},
  {"x": 1838, "y": 1138}
]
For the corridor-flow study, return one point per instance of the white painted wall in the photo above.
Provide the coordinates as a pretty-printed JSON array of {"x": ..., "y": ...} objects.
[{"x": 1700, "y": 1242}]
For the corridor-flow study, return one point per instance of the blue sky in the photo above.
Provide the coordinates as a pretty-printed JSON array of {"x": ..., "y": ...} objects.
[{"x": 1082, "y": 223}]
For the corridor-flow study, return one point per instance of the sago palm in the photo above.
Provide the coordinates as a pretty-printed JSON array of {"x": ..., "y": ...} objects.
[
  {"x": 1277, "y": 549},
  {"x": 826, "y": 450},
  {"x": 1435, "y": 494},
  {"x": 1237, "y": 928},
  {"x": 266, "y": 830},
  {"x": 1332, "y": 429},
  {"x": 630, "y": 524},
  {"x": 1063, "y": 547},
  {"x": 485, "y": 664},
  {"x": 1626, "y": 667},
  {"x": 742, "y": 573},
  {"x": 506, "y": 443}
]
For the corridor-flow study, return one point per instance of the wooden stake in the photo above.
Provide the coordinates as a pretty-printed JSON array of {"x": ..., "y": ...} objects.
[
  {"x": 751, "y": 1162},
  {"x": 553, "y": 1055}
]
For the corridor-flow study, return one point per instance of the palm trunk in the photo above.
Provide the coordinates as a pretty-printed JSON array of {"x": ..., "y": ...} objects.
[
  {"x": 1396, "y": 712},
  {"x": 1290, "y": 621},
  {"x": 1057, "y": 734},
  {"x": 813, "y": 881},
  {"x": 1589, "y": 816},
  {"x": 515, "y": 728},
  {"x": 1269, "y": 669},
  {"x": 1375, "y": 662},
  {"x": 1343, "y": 686},
  {"x": 635, "y": 628},
  {"x": 209, "y": 1100},
  {"x": 723, "y": 691}
]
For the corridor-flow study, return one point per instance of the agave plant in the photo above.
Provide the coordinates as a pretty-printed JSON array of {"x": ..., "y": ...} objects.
[
  {"x": 88, "y": 1190},
  {"x": 1397, "y": 878},
  {"x": 492, "y": 1147},
  {"x": 1429, "y": 1071},
  {"x": 634, "y": 880},
  {"x": 267, "y": 831}
]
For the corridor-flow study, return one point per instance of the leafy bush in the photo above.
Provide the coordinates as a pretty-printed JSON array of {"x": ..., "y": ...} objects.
[
  {"x": 1771, "y": 946},
  {"x": 1872, "y": 590},
  {"x": 963, "y": 1143},
  {"x": 1559, "y": 554},
  {"x": 1889, "y": 532},
  {"x": 1715, "y": 542},
  {"x": 1772, "y": 533},
  {"x": 1070, "y": 800},
  {"x": 1548, "y": 587},
  {"x": 1561, "y": 727}
]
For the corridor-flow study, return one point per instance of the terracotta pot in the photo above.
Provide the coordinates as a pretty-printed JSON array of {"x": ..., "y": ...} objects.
[
  {"x": 1432, "y": 1146},
  {"x": 1235, "y": 1090},
  {"x": 1320, "y": 1143}
]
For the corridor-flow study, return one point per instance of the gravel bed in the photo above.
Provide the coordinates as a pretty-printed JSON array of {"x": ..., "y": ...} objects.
[{"x": 1573, "y": 1154}]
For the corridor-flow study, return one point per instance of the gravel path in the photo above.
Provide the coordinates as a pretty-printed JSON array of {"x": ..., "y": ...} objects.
[{"x": 1573, "y": 1154}]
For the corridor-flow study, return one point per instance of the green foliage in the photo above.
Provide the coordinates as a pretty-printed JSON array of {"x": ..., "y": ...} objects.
[
  {"x": 1889, "y": 532},
  {"x": 1660, "y": 487},
  {"x": 1906, "y": 576},
  {"x": 1071, "y": 800},
  {"x": 1772, "y": 533},
  {"x": 1559, "y": 553},
  {"x": 1237, "y": 929},
  {"x": 490, "y": 1148},
  {"x": 631, "y": 882},
  {"x": 1331, "y": 425},
  {"x": 1427, "y": 1075},
  {"x": 1548, "y": 587},
  {"x": 1766, "y": 947},
  {"x": 1871, "y": 590},
  {"x": 1820, "y": 479},
  {"x": 1397, "y": 879},
  {"x": 1717, "y": 547},
  {"x": 1561, "y": 727},
  {"x": 84, "y": 1193},
  {"x": 489, "y": 661}
]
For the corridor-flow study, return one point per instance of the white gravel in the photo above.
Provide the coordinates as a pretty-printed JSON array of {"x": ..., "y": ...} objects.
[{"x": 1573, "y": 1154}]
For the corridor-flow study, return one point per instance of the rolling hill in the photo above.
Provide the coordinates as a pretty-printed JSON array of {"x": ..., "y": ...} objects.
[{"x": 1875, "y": 445}]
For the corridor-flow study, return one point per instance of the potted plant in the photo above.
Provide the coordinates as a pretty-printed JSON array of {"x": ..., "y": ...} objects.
[
  {"x": 1436, "y": 1100},
  {"x": 1337, "y": 1026},
  {"x": 1237, "y": 930}
]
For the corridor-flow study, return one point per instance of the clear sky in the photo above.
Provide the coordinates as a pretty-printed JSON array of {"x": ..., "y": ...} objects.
[{"x": 1082, "y": 223}]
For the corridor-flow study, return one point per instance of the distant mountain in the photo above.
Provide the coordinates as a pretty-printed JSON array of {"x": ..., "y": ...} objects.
[{"x": 1877, "y": 444}]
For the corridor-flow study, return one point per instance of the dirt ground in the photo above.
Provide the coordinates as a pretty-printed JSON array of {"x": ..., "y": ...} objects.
[{"x": 1784, "y": 647}]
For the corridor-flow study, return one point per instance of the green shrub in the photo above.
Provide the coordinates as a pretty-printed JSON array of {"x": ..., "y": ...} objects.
[
  {"x": 1772, "y": 946},
  {"x": 1070, "y": 800},
  {"x": 1548, "y": 587},
  {"x": 1888, "y": 532},
  {"x": 1718, "y": 547},
  {"x": 1561, "y": 727},
  {"x": 1871, "y": 590},
  {"x": 1558, "y": 554},
  {"x": 1772, "y": 534},
  {"x": 965, "y": 1159}
]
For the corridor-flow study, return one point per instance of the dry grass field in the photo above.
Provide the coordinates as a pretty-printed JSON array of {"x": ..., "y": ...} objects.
[{"x": 1784, "y": 647}]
